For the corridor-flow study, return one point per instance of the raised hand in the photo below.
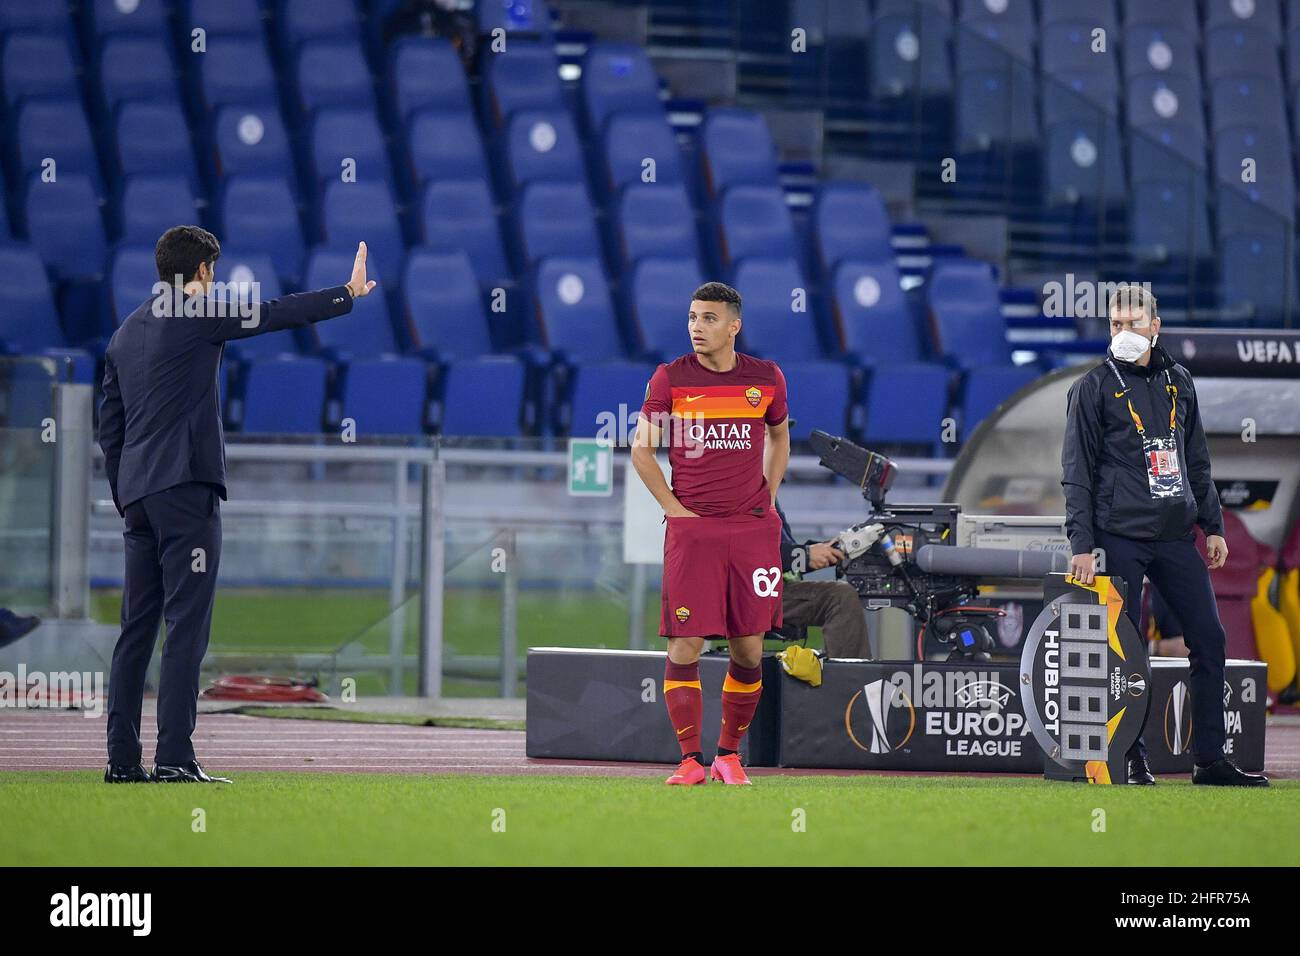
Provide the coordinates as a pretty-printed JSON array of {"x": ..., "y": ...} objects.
[{"x": 358, "y": 285}]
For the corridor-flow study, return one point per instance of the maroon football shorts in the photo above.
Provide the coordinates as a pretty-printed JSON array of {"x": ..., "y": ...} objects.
[{"x": 722, "y": 576}]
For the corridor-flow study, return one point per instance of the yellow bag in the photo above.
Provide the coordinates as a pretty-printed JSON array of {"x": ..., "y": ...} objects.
[
  {"x": 1272, "y": 639},
  {"x": 803, "y": 663},
  {"x": 1288, "y": 602}
]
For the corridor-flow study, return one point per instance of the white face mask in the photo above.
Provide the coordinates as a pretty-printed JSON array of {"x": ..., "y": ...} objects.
[{"x": 1128, "y": 346}]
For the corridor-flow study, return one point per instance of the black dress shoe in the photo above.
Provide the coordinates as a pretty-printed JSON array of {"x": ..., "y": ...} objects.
[
  {"x": 185, "y": 773},
  {"x": 1139, "y": 772},
  {"x": 1225, "y": 773},
  {"x": 127, "y": 774}
]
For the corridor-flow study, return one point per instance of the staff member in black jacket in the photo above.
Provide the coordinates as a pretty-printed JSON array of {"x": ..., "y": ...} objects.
[
  {"x": 1136, "y": 473},
  {"x": 164, "y": 452}
]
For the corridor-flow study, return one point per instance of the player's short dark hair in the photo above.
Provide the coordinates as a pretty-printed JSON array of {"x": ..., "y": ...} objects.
[
  {"x": 181, "y": 249},
  {"x": 717, "y": 292}
]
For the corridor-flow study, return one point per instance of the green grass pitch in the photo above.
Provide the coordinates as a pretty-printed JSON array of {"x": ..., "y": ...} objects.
[{"x": 73, "y": 819}]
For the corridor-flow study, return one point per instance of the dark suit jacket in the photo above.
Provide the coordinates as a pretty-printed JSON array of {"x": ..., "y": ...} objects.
[
  {"x": 160, "y": 417},
  {"x": 789, "y": 544}
]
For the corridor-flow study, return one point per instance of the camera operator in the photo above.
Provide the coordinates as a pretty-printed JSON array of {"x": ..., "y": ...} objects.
[
  {"x": 1136, "y": 476},
  {"x": 831, "y": 605}
]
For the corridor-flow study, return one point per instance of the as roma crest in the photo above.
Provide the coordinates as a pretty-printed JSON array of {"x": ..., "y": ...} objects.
[
  {"x": 683, "y": 613},
  {"x": 753, "y": 395}
]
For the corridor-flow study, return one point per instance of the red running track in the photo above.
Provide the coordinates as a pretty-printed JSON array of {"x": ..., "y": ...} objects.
[{"x": 67, "y": 740}]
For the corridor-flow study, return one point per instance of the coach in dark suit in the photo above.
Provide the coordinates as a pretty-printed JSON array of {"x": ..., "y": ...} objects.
[{"x": 164, "y": 452}]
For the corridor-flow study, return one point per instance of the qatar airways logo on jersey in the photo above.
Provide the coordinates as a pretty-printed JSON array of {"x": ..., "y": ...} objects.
[{"x": 720, "y": 436}]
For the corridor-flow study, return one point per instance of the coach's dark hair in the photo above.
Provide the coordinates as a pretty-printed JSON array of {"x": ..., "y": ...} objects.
[
  {"x": 717, "y": 292},
  {"x": 181, "y": 249}
]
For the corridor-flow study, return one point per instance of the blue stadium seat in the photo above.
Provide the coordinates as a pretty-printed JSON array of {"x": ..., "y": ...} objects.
[
  {"x": 1153, "y": 147},
  {"x": 135, "y": 68},
  {"x": 482, "y": 397},
  {"x": 631, "y": 138},
  {"x": 332, "y": 73},
  {"x": 754, "y": 221},
  {"x": 1162, "y": 49},
  {"x": 1010, "y": 15},
  {"x": 967, "y": 311},
  {"x": 251, "y": 140},
  {"x": 458, "y": 215},
  {"x": 513, "y": 16},
  {"x": 364, "y": 211},
  {"x": 250, "y": 278},
  {"x": 443, "y": 306},
  {"x": 1157, "y": 98},
  {"x": 849, "y": 221},
  {"x": 284, "y": 396},
  {"x": 906, "y": 405},
  {"x": 132, "y": 275},
  {"x": 617, "y": 78},
  {"x": 221, "y": 17},
  {"x": 36, "y": 64},
  {"x": 366, "y": 331},
  {"x": 1083, "y": 164},
  {"x": 302, "y": 20},
  {"x": 1074, "y": 96},
  {"x": 444, "y": 144},
  {"x": 1247, "y": 99},
  {"x": 1270, "y": 150},
  {"x": 1292, "y": 54},
  {"x": 1098, "y": 13},
  {"x": 993, "y": 48},
  {"x": 737, "y": 149},
  {"x": 139, "y": 150},
  {"x": 106, "y": 18},
  {"x": 385, "y": 396},
  {"x": 1259, "y": 277},
  {"x": 426, "y": 73},
  {"x": 909, "y": 51},
  {"x": 22, "y": 15},
  {"x": 1170, "y": 221},
  {"x": 556, "y": 219},
  {"x": 543, "y": 145},
  {"x": 261, "y": 216},
  {"x": 988, "y": 387},
  {"x": 57, "y": 129},
  {"x": 770, "y": 326},
  {"x": 1241, "y": 50},
  {"x": 871, "y": 313},
  {"x": 1178, "y": 13},
  {"x": 821, "y": 397},
  {"x": 599, "y": 393},
  {"x": 150, "y": 205},
  {"x": 656, "y": 219},
  {"x": 236, "y": 70},
  {"x": 65, "y": 226},
  {"x": 1263, "y": 14},
  {"x": 526, "y": 77},
  {"x": 341, "y": 134},
  {"x": 575, "y": 314},
  {"x": 996, "y": 108},
  {"x": 659, "y": 299},
  {"x": 29, "y": 321},
  {"x": 1068, "y": 46}
]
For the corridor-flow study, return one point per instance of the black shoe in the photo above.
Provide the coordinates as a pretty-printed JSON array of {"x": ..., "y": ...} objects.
[
  {"x": 185, "y": 773},
  {"x": 14, "y": 627},
  {"x": 127, "y": 774},
  {"x": 1139, "y": 772},
  {"x": 1225, "y": 773}
]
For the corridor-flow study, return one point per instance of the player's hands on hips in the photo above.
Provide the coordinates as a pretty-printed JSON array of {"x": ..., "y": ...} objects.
[
  {"x": 1216, "y": 549},
  {"x": 679, "y": 510},
  {"x": 1083, "y": 567},
  {"x": 358, "y": 285},
  {"x": 823, "y": 555}
]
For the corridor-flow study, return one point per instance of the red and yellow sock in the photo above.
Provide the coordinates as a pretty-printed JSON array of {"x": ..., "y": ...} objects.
[
  {"x": 685, "y": 703},
  {"x": 740, "y": 693}
]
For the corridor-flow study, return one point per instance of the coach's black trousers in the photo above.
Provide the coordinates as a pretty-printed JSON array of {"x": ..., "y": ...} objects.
[
  {"x": 173, "y": 547},
  {"x": 1178, "y": 572}
]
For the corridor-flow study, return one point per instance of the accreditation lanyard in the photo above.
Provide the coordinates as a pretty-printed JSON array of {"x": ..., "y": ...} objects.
[{"x": 1164, "y": 475}]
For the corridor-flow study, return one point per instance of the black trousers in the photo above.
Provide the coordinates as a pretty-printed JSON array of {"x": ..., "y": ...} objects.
[
  {"x": 1178, "y": 572},
  {"x": 173, "y": 548}
]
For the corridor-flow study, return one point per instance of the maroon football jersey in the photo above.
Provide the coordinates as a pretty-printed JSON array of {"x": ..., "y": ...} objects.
[{"x": 714, "y": 423}]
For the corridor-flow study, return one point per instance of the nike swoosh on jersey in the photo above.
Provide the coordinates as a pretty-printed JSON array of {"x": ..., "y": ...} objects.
[{"x": 692, "y": 398}]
